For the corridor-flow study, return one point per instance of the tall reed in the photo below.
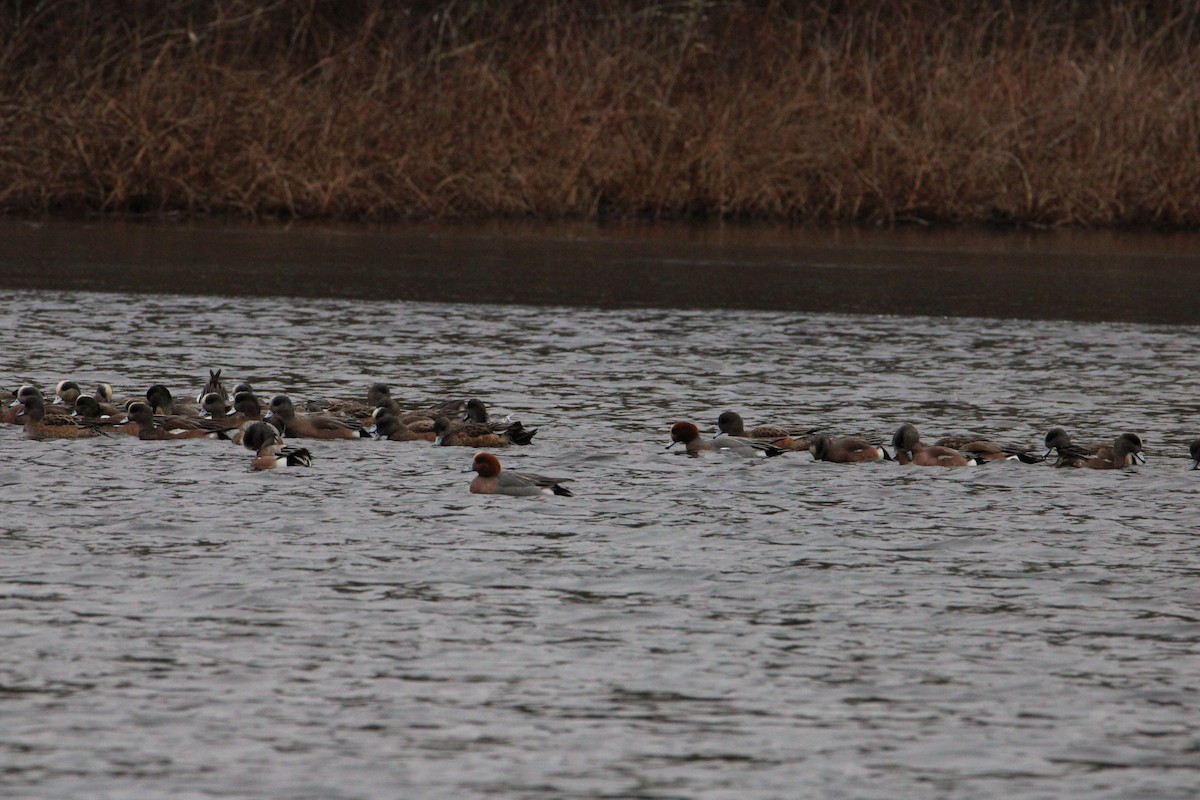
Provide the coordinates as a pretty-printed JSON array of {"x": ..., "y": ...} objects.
[{"x": 1058, "y": 113}]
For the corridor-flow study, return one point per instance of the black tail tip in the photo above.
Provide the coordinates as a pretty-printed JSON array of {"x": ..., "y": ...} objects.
[{"x": 563, "y": 491}]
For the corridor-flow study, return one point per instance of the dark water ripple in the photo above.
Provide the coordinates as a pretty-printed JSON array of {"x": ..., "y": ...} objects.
[{"x": 178, "y": 626}]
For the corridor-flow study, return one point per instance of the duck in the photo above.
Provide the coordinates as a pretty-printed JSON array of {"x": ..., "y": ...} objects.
[
  {"x": 312, "y": 426},
  {"x": 982, "y": 449},
  {"x": 14, "y": 414},
  {"x": 449, "y": 433},
  {"x": 389, "y": 426},
  {"x": 687, "y": 434},
  {"x": 161, "y": 402},
  {"x": 845, "y": 449},
  {"x": 40, "y": 425},
  {"x": 1125, "y": 451},
  {"x": 490, "y": 478},
  {"x": 148, "y": 428},
  {"x": 214, "y": 386},
  {"x": 270, "y": 452},
  {"x": 909, "y": 450},
  {"x": 731, "y": 423},
  {"x": 1194, "y": 451}
]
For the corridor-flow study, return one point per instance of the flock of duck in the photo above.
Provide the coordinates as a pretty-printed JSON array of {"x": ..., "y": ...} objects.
[{"x": 268, "y": 428}]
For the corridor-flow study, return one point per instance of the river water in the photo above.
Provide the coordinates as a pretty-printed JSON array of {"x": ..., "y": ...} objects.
[{"x": 176, "y": 625}]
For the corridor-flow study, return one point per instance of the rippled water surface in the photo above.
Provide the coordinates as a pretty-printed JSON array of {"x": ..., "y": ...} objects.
[{"x": 178, "y": 626}]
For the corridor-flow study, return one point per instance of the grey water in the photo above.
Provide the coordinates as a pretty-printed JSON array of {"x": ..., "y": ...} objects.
[{"x": 175, "y": 625}]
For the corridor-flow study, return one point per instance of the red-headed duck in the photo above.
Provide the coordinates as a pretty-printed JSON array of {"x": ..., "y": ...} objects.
[
  {"x": 687, "y": 434},
  {"x": 494, "y": 480}
]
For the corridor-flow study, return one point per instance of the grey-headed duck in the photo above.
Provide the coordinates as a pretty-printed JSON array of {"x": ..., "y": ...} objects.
[
  {"x": 845, "y": 449},
  {"x": 270, "y": 452},
  {"x": 312, "y": 426},
  {"x": 731, "y": 423},
  {"x": 492, "y": 479},
  {"x": 909, "y": 450},
  {"x": 687, "y": 434}
]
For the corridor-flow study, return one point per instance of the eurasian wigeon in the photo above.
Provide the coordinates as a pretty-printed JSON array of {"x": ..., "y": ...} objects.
[
  {"x": 687, "y": 434},
  {"x": 494, "y": 480}
]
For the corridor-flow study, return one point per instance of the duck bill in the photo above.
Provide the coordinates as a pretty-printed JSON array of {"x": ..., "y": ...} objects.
[
  {"x": 1138, "y": 458},
  {"x": 1046, "y": 454}
]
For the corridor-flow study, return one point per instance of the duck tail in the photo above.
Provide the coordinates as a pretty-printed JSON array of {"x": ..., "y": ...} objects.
[
  {"x": 297, "y": 456},
  {"x": 519, "y": 434},
  {"x": 562, "y": 491}
]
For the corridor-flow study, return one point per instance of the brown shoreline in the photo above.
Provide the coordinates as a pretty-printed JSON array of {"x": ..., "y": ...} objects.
[{"x": 907, "y": 112}]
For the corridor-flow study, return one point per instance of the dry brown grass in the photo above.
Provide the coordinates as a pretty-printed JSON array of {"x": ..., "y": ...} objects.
[{"x": 1030, "y": 113}]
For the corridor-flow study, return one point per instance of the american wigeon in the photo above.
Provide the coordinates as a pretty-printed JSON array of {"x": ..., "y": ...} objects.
[
  {"x": 731, "y": 423},
  {"x": 377, "y": 394},
  {"x": 148, "y": 427},
  {"x": 981, "y": 449},
  {"x": 214, "y": 406},
  {"x": 909, "y": 450},
  {"x": 214, "y": 386},
  {"x": 312, "y": 426},
  {"x": 388, "y": 426},
  {"x": 66, "y": 393},
  {"x": 687, "y": 434},
  {"x": 14, "y": 414},
  {"x": 452, "y": 433},
  {"x": 161, "y": 402},
  {"x": 845, "y": 449},
  {"x": 270, "y": 452},
  {"x": 41, "y": 425},
  {"x": 94, "y": 412},
  {"x": 1125, "y": 450},
  {"x": 491, "y": 479}
]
